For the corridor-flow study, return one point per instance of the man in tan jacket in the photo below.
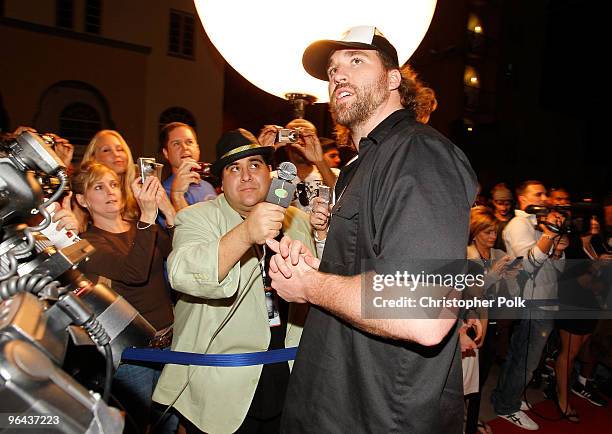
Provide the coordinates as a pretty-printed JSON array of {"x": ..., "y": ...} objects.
[{"x": 223, "y": 308}]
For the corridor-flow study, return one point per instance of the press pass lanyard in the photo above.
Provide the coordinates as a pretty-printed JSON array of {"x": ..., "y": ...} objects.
[{"x": 274, "y": 319}]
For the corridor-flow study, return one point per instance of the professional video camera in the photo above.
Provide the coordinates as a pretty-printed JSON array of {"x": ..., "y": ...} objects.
[
  {"x": 45, "y": 301},
  {"x": 577, "y": 216}
]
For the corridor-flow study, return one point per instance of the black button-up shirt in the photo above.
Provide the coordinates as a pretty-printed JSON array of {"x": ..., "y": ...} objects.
[{"x": 408, "y": 198}]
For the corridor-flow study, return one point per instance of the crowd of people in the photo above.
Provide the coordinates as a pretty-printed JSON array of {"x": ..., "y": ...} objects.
[{"x": 217, "y": 269}]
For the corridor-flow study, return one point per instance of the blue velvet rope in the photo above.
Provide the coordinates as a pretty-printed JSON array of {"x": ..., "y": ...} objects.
[{"x": 182, "y": 358}]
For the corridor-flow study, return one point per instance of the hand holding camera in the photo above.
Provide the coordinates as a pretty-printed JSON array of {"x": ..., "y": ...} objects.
[
  {"x": 319, "y": 216},
  {"x": 203, "y": 169},
  {"x": 277, "y": 136},
  {"x": 62, "y": 147},
  {"x": 186, "y": 174},
  {"x": 268, "y": 136},
  {"x": 148, "y": 196},
  {"x": 553, "y": 223},
  {"x": 500, "y": 266},
  {"x": 309, "y": 145}
]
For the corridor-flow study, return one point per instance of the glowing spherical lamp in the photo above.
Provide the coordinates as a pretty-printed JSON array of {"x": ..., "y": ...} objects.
[{"x": 264, "y": 40}]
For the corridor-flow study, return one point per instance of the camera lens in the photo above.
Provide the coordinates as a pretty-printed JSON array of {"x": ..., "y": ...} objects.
[{"x": 294, "y": 135}]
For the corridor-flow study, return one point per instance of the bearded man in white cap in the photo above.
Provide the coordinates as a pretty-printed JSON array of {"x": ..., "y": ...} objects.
[{"x": 405, "y": 208}]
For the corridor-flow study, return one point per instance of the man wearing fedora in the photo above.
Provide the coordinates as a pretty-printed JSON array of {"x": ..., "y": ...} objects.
[
  {"x": 405, "y": 209},
  {"x": 216, "y": 265}
]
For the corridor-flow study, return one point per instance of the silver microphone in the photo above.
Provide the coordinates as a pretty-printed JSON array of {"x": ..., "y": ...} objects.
[{"x": 287, "y": 171}]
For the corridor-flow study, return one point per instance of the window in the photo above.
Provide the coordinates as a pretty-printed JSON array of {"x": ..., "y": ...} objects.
[
  {"x": 79, "y": 122},
  {"x": 176, "y": 114},
  {"x": 181, "y": 34},
  {"x": 93, "y": 12},
  {"x": 75, "y": 109},
  {"x": 64, "y": 13}
]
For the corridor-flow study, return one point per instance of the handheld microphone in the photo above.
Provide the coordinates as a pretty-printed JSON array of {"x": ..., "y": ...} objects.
[
  {"x": 281, "y": 193},
  {"x": 281, "y": 189}
]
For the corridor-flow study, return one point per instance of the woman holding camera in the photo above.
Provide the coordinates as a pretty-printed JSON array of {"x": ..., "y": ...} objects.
[
  {"x": 500, "y": 273},
  {"x": 110, "y": 148},
  {"x": 129, "y": 258}
]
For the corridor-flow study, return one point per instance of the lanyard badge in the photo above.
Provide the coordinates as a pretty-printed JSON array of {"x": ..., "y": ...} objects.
[{"x": 271, "y": 297}]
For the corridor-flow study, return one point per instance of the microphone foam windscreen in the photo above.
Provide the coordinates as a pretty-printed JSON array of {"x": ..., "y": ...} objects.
[{"x": 287, "y": 171}]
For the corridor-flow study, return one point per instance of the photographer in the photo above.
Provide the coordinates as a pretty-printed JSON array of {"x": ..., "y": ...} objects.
[
  {"x": 542, "y": 248},
  {"x": 62, "y": 147},
  {"x": 185, "y": 186},
  {"x": 307, "y": 155}
]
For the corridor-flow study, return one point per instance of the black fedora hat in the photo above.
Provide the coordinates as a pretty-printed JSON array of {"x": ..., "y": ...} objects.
[{"x": 235, "y": 145}]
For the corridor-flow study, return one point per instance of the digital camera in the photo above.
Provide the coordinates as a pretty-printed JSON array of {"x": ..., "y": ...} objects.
[
  {"x": 287, "y": 135},
  {"x": 203, "y": 169},
  {"x": 147, "y": 167}
]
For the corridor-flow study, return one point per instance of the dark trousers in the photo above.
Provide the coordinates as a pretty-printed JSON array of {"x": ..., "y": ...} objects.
[{"x": 250, "y": 425}]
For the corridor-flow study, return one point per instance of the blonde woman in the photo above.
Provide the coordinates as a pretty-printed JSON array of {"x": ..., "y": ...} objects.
[
  {"x": 110, "y": 148},
  {"x": 500, "y": 279}
]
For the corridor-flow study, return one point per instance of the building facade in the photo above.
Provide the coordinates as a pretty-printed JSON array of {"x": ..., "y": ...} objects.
[{"x": 74, "y": 67}]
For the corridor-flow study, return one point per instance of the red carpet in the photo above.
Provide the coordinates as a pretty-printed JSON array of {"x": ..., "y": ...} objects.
[{"x": 592, "y": 419}]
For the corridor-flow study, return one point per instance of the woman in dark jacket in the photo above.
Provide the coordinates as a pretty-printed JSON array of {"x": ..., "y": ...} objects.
[{"x": 129, "y": 258}]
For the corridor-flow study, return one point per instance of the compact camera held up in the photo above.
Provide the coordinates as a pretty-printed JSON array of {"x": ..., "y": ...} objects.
[
  {"x": 148, "y": 167},
  {"x": 203, "y": 169},
  {"x": 287, "y": 135}
]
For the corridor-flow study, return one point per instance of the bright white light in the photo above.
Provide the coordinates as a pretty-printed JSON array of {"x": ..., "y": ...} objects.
[{"x": 264, "y": 40}]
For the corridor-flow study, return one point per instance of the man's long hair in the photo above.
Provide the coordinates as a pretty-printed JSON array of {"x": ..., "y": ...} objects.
[{"x": 415, "y": 96}]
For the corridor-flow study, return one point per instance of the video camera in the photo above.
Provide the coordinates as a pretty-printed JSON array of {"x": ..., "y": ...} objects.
[
  {"x": 45, "y": 302},
  {"x": 577, "y": 216}
]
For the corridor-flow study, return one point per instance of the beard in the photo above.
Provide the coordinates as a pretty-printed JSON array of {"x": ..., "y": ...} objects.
[{"x": 367, "y": 99}]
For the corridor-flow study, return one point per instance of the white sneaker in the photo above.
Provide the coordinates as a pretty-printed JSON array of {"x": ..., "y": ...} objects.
[
  {"x": 524, "y": 406},
  {"x": 521, "y": 420}
]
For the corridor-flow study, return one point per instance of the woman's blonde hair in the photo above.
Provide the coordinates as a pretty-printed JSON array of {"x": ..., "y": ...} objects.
[
  {"x": 131, "y": 212},
  {"x": 481, "y": 218},
  {"x": 88, "y": 174}
]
